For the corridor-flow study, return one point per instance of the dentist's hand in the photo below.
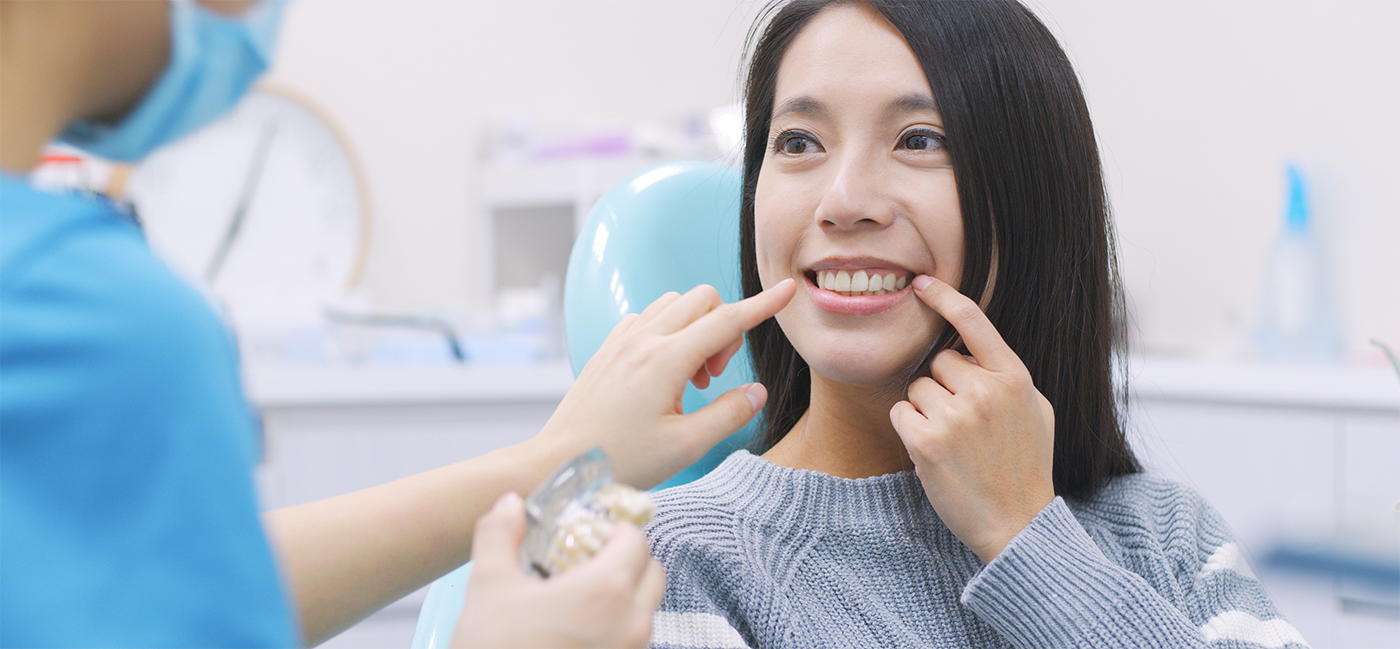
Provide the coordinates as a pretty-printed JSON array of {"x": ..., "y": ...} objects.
[
  {"x": 628, "y": 398},
  {"x": 980, "y": 434},
  {"x": 607, "y": 601}
]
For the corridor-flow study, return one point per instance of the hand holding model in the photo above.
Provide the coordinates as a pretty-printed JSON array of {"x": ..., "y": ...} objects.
[
  {"x": 628, "y": 401},
  {"x": 607, "y": 601},
  {"x": 980, "y": 434}
]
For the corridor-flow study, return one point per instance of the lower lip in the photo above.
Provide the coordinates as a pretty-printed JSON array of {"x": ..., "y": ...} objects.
[{"x": 839, "y": 304}]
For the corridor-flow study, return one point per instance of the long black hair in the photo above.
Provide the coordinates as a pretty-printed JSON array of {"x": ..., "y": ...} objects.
[{"x": 1033, "y": 207}]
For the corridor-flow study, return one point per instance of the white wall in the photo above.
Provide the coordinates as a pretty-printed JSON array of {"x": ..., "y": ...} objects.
[
  {"x": 416, "y": 83},
  {"x": 1198, "y": 105}
]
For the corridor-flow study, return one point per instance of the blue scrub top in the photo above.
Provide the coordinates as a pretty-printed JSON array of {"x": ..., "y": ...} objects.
[{"x": 127, "y": 510}]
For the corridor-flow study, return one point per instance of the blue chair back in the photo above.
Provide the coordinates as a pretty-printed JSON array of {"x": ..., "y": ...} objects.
[{"x": 670, "y": 228}]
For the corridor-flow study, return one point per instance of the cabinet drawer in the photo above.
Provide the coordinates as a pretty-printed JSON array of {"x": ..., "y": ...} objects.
[{"x": 1371, "y": 502}]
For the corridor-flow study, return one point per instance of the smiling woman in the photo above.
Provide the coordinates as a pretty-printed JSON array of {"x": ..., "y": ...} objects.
[
  {"x": 943, "y": 462},
  {"x": 857, "y": 182}
]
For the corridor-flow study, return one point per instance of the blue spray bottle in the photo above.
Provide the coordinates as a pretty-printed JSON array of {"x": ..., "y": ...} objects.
[{"x": 1297, "y": 322}]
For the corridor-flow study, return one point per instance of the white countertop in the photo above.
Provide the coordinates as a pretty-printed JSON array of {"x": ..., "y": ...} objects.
[
  {"x": 1151, "y": 377},
  {"x": 271, "y": 385},
  {"x": 1239, "y": 382}
]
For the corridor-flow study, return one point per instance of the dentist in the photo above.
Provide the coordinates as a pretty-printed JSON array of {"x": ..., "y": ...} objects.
[{"x": 127, "y": 511}]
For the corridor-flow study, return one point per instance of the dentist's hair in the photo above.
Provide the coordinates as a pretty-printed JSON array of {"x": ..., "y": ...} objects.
[{"x": 1033, "y": 207}]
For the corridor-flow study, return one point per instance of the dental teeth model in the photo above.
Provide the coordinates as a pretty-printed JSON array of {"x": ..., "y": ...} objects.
[
  {"x": 860, "y": 283},
  {"x": 572, "y": 515},
  {"x": 582, "y": 528}
]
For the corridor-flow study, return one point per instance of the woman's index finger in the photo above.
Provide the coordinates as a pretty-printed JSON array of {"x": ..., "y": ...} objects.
[{"x": 983, "y": 340}]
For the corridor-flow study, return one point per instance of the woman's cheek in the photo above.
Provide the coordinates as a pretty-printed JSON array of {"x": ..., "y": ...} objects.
[{"x": 773, "y": 254}]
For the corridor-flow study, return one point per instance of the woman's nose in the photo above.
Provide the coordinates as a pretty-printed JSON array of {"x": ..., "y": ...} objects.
[{"x": 854, "y": 198}]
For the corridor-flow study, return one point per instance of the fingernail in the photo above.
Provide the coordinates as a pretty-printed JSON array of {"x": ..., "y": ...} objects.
[
  {"x": 509, "y": 501},
  {"x": 757, "y": 394},
  {"x": 921, "y": 282}
]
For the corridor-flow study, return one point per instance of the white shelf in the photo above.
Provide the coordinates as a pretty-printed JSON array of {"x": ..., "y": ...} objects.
[
  {"x": 283, "y": 386},
  {"x": 569, "y": 181},
  {"x": 1265, "y": 384}
]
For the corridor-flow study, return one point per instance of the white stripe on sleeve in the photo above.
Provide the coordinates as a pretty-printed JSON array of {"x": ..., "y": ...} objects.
[
  {"x": 1226, "y": 557},
  {"x": 1243, "y": 627},
  {"x": 669, "y": 628}
]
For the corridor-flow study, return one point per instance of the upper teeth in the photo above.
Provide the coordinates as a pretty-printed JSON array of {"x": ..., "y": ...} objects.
[{"x": 859, "y": 282}]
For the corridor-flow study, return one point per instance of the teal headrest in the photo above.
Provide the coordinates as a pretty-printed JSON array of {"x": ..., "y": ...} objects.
[{"x": 669, "y": 228}]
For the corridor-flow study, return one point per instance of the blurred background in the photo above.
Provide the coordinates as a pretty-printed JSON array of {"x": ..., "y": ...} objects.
[
  {"x": 1198, "y": 105},
  {"x": 446, "y": 151}
]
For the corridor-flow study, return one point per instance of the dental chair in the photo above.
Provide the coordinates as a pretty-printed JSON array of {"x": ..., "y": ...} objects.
[{"x": 669, "y": 228}]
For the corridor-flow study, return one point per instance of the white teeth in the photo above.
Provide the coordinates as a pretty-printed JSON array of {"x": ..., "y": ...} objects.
[{"x": 859, "y": 282}]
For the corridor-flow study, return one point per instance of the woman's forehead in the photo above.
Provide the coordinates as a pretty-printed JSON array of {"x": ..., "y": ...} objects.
[{"x": 849, "y": 53}]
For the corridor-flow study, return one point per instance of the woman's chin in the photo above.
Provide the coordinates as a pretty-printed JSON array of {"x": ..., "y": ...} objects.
[
  {"x": 859, "y": 371},
  {"x": 864, "y": 352}
]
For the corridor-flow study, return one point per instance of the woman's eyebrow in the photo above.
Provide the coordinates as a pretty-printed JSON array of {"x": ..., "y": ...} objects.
[
  {"x": 802, "y": 105},
  {"x": 912, "y": 104}
]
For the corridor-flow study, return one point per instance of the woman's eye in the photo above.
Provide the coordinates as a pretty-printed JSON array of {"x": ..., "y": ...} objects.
[
  {"x": 923, "y": 141},
  {"x": 795, "y": 143}
]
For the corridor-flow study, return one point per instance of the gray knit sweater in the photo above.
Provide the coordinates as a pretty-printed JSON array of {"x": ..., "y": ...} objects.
[{"x": 759, "y": 555}]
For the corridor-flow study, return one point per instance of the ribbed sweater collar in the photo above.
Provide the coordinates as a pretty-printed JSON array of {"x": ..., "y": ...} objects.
[{"x": 765, "y": 493}]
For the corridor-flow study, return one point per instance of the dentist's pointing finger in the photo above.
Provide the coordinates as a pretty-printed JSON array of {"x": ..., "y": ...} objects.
[
  {"x": 628, "y": 398},
  {"x": 718, "y": 330}
]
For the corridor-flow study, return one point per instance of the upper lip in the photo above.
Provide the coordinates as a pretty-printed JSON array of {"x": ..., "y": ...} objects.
[{"x": 858, "y": 263}]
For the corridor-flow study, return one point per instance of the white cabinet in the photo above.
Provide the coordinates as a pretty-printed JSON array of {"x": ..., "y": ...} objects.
[
  {"x": 1285, "y": 453},
  {"x": 1370, "y": 449},
  {"x": 330, "y": 430},
  {"x": 1369, "y": 498}
]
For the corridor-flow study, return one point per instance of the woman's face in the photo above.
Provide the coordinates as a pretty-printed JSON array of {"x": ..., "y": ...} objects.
[{"x": 856, "y": 184}]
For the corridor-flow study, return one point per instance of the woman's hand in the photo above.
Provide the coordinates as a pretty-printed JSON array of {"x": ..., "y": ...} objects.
[
  {"x": 628, "y": 397},
  {"x": 607, "y": 601},
  {"x": 980, "y": 434}
]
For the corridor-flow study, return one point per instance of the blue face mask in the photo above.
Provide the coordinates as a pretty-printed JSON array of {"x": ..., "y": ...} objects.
[{"x": 214, "y": 59}]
